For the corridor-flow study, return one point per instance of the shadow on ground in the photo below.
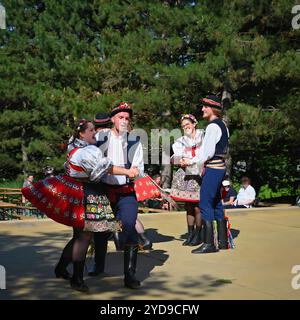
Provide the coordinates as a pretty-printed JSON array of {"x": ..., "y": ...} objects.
[
  {"x": 157, "y": 237},
  {"x": 30, "y": 261}
]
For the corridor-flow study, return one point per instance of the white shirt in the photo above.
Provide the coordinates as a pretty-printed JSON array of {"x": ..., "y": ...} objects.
[
  {"x": 91, "y": 160},
  {"x": 245, "y": 196},
  {"x": 213, "y": 134},
  {"x": 117, "y": 153},
  {"x": 182, "y": 148},
  {"x": 100, "y": 133}
]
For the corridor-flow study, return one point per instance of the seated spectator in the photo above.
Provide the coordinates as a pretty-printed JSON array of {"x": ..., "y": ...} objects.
[
  {"x": 157, "y": 179},
  {"x": 27, "y": 182},
  {"x": 157, "y": 202},
  {"x": 246, "y": 195},
  {"x": 228, "y": 194},
  {"x": 48, "y": 172}
]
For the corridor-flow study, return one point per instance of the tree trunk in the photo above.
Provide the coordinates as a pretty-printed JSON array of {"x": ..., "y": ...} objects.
[
  {"x": 23, "y": 147},
  {"x": 226, "y": 101},
  {"x": 24, "y": 152}
]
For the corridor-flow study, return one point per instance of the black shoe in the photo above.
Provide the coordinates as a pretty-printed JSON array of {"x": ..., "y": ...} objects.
[
  {"x": 190, "y": 236},
  {"x": 222, "y": 234},
  {"x": 208, "y": 234},
  {"x": 96, "y": 270},
  {"x": 205, "y": 248},
  {"x": 145, "y": 243},
  {"x": 130, "y": 259},
  {"x": 76, "y": 281},
  {"x": 61, "y": 269},
  {"x": 197, "y": 237}
]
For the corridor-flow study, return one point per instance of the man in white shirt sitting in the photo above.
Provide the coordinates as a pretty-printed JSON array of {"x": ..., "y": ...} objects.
[{"x": 246, "y": 195}]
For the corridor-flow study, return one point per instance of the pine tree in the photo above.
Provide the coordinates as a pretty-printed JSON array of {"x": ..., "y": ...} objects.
[{"x": 63, "y": 60}]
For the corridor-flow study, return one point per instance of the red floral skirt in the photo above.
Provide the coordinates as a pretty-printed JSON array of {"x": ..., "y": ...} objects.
[
  {"x": 61, "y": 198},
  {"x": 73, "y": 203}
]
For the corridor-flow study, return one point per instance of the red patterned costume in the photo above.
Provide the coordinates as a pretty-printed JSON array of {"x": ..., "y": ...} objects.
[
  {"x": 60, "y": 198},
  {"x": 77, "y": 199}
]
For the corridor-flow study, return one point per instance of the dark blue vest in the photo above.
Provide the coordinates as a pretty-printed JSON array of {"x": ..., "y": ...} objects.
[
  {"x": 222, "y": 145},
  {"x": 132, "y": 144}
]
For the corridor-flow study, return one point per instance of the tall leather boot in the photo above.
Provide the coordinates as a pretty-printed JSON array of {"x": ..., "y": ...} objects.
[
  {"x": 61, "y": 268},
  {"x": 76, "y": 281},
  {"x": 100, "y": 239},
  {"x": 118, "y": 241},
  {"x": 130, "y": 259},
  {"x": 65, "y": 259},
  {"x": 208, "y": 246},
  {"x": 190, "y": 236},
  {"x": 197, "y": 237},
  {"x": 222, "y": 234},
  {"x": 145, "y": 242}
]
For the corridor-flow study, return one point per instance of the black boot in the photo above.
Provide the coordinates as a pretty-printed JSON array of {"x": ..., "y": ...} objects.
[
  {"x": 208, "y": 245},
  {"x": 65, "y": 259},
  {"x": 76, "y": 281},
  {"x": 222, "y": 234},
  {"x": 190, "y": 236},
  {"x": 130, "y": 258},
  {"x": 61, "y": 269},
  {"x": 144, "y": 241},
  {"x": 118, "y": 241},
  {"x": 197, "y": 237},
  {"x": 100, "y": 240}
]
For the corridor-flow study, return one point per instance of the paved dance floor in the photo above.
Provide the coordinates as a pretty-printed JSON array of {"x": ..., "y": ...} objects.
[{"x": 260, "y": 267}]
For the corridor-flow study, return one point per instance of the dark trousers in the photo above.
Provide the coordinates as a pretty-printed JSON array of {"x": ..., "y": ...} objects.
[
  {"x": 100, "y": 240},
  {"x": 210, "y": 195},
  {"x": 126, "y": 210}
]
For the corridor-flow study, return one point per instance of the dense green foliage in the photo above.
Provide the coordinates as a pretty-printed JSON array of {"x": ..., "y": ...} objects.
[{"x": 61, "y": 60}]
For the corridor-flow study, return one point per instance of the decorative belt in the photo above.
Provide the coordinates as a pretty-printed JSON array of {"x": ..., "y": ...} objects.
[
  {"x": 216, "y": 164},
  {"x": 115, "y": 190}
]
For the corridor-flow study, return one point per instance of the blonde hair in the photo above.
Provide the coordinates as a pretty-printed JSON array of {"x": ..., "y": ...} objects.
[{"x": 217, "y": 112}]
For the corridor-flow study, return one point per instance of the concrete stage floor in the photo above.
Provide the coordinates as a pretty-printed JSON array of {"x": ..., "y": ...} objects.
[{"x": 260, "y": 267}]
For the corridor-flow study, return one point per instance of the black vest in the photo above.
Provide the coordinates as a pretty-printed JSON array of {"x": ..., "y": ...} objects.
[
  {"x": 132, "y": 144},
  {"x": 222, "y": 145}
]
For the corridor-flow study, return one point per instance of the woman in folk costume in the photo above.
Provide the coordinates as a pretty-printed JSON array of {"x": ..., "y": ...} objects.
[
  {"x": 215, "y": 147},
  {"x": 186, "y": 183},
  {"x": 78, "y": 199}
]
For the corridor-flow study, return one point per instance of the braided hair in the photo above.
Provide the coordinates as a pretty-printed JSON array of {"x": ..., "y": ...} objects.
[{"x": 80, "y": 127}]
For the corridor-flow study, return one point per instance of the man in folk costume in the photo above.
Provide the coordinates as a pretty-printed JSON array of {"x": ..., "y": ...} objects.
[
  {"x": 215, "y": 145},
  {"x": 126, "y": 150}
]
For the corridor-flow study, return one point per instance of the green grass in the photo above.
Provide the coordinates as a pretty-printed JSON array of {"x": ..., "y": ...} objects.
[{"x": 11, "y": 184}]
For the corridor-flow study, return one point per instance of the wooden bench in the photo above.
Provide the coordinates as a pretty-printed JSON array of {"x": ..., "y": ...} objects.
[
  {"x": 11, "y": 195},
  {"x": 29, "y": 211},
  {"x": 7, "y": 211}
]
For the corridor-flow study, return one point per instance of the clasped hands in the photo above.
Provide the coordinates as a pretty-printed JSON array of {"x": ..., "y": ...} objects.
[
  {"x": 184, "y": 162},
  {"x": 133, "y": 172}
]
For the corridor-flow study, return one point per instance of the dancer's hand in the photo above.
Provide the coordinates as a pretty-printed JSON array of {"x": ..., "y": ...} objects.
[
  {"x": 133, "y": 172},
  {"x": 184, "y": 162}
]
